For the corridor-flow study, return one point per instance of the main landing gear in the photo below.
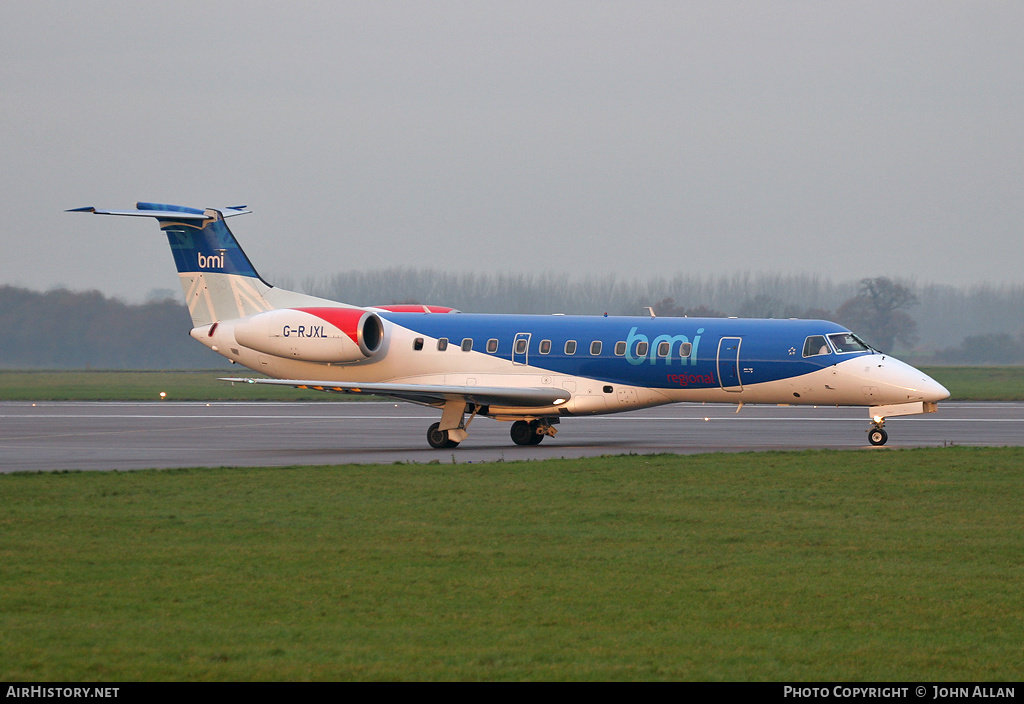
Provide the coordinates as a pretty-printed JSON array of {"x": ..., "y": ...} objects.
[
  {"x": 532, "y": 432},
  {"x": 523, "y": 433},
  {"x": 439, "y": 439},
  {"x": 453, "y": 423}
]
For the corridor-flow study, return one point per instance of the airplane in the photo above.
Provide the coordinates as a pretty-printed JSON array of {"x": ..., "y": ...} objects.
[{"x": 530, "y": 370}]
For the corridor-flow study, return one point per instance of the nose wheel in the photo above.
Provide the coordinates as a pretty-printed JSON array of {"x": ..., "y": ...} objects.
[{"x": 877, "y": 435}]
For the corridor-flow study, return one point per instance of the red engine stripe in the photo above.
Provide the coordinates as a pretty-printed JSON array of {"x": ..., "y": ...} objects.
[{"x": 345, "y": 319}]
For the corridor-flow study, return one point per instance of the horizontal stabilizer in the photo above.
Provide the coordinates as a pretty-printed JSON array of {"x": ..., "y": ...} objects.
[
  {"x": 143, "y": 213},
  {"x": 430, "y": 393},
  {"x": 161, "y": 211}
]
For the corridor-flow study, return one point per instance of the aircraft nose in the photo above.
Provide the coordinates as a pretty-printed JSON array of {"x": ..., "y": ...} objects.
[
  {"x": 888, "y": 380},
  {"x": 933, "y": 391},
  {"x": 918, "y": 385}
]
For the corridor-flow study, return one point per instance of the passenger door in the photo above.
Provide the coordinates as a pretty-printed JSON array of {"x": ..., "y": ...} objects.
[{"x": 729, "y": 363}]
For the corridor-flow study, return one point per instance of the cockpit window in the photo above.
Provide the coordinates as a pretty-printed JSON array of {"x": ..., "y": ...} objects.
[
  {"x": 815, "y": 345},
  {"x": 846, "y": 342}
]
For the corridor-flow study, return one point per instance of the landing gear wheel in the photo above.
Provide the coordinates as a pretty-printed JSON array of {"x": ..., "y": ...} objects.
[
  {"x": 521, "y": 432},
  {"x": 877, "y": 436},
  {"x": 525, "y": 433},
  {"x": 536, "y": 436},
  {"x": 438, "y": 438}
]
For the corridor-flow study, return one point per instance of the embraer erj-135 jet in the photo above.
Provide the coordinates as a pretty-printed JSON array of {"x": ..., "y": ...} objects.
[{"x": 531, "y": 370}]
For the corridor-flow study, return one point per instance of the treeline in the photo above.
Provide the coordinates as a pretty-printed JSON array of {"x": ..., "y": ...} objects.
[
  {"x": 546, "y": 292},
  {"x": 941, "y": 319},
  {"x": 62, "y": 329},
  {"x": 993, "y": 348}
]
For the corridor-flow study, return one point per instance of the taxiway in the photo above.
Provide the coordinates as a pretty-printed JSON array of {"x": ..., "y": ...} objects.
[{"x": 123, "y": 436}]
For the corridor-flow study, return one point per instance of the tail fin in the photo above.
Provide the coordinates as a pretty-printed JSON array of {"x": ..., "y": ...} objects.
[{"x": 219, "y": 281}]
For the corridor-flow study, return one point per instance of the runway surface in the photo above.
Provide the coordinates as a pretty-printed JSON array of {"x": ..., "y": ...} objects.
[{"x": 105, "y": 436}]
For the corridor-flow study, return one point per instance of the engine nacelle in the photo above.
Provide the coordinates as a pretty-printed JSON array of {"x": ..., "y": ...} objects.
[{"x": 313, "y": 334}]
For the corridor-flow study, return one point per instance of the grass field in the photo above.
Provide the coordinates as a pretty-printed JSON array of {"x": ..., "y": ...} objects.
[
  {"x": 980, "y": 383},
  {"x": 964, "y": 383},
  {"x": 811, "y": 566},
  {"x": 145, "y": 386}
]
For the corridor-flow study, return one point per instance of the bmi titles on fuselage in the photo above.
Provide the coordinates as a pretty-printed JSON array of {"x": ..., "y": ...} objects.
[{"x": 650, "y": 351}]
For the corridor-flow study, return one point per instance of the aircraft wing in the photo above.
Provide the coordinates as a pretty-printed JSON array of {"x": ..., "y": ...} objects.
[{"x": 430, "y": 394}]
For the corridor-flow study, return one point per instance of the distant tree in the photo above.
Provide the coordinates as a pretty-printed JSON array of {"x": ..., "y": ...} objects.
[
  {"x": 992, "y": 348},
  {"x": 793, "y": 311},
  {"x": 667, "y": 308},
  {"x": 761, "y": 306},
  {"x": 877, "y": 313},
  {"x": 817, "y": 314},
  {"x": 157, "y": 295},
  {"x": 62, "y": 329}
]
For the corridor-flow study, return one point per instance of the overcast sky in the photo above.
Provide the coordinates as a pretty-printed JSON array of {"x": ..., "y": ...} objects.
[{"x": 849, "y": 139}]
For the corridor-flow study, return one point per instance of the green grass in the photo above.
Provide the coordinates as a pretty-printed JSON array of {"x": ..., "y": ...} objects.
[
  {"x": 980, "y": 383},
  {"x": 820, "y": 565},
  {"x": 145, "y": 386}
]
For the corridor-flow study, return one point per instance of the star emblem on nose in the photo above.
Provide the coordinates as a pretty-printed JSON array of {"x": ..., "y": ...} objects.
[{"x": 792, "y": 350}]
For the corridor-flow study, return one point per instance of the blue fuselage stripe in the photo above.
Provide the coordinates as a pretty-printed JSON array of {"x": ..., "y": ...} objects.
[{"x": 769, "y": 350}]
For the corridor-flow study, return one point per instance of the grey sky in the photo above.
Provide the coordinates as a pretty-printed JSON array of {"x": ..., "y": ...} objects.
[{"x": 849, "y": 139}]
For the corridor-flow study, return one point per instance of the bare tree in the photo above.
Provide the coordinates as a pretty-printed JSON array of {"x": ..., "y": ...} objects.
[{"x": 877, "y": 313}]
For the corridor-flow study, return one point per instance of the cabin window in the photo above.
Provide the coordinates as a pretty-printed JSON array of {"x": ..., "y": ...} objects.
[
  {"x": 816, "y": 345},
  {"x": 521, "y": 344},
  {"x": 641, "y": 349},
  {"x": 846, "y": 342},
  {"x": 442, "y": 344},
  {"x": 492, "y": 345},
  {"x": 664, "y": 349},
  {"x": 545, "y": 346},
  {"x": 620, "y": 348},
  {"x": 467, "y": 344},
  {"x": 570, "y": 347},
  {"x": 417, "y": 344},
  {"x": 684, "y": 349},
  {"x": 595, "y": 347}
]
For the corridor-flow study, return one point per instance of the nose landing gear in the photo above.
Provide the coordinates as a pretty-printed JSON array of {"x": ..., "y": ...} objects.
[
  {"x": 877, "y": 435},
  {"x": 878, "y": 414}
]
